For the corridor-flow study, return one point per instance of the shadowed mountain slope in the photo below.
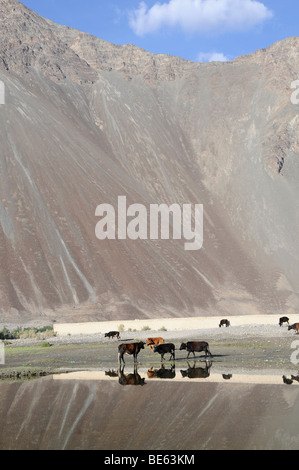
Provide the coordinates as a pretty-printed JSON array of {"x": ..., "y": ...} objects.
[{"x": 86, "y": 121}]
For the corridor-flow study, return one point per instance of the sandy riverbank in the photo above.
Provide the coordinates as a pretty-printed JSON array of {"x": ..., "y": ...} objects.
[
  {"x": 242, "y": 327},
  {"x": 175, "y": 325}
]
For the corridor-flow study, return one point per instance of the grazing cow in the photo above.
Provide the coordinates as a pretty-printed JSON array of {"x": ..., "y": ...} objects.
[
  {"x": 224, "y": 323},
  {"x": 294, "y": 327},
  {"x": 283, "y": 320},
  {"x": 151, "y": 342},
  {"x": 112, "y": 334},
  {"x": 197, "y": 372},
  {"x": 196, "y": 346},
  {"x": 164, "y": 349},
  {"x": 130, "y": 379},
  {"x": 131, "y": 349}
]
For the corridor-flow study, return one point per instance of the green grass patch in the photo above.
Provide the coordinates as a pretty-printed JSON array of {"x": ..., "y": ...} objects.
[{"x": 27, "y": 333}]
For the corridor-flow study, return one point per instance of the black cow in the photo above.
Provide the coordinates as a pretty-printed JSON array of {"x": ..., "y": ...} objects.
[
  {"x": 196, "y": 346},
  {"x": 111, "y": 334},
  {"x": 131, "y": 349},
  {"x": 164, "y": 349},
  {"x": 283, "y": 320},
  {"x": 224, "y": 323}
]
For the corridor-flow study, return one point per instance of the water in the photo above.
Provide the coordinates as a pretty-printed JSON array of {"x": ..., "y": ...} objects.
[{"x": 158, "y": 409}]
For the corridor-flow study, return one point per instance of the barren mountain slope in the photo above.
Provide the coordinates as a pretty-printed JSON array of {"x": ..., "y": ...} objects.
[{"x": 86, "y": 121}]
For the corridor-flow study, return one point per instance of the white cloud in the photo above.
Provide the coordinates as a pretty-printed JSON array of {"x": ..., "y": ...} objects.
[
  {"x": 212, "y": 57},
  {"x": 203, "y": 16}
]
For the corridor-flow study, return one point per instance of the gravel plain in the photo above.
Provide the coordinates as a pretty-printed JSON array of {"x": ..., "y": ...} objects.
[{"x": 246, "y": 332}]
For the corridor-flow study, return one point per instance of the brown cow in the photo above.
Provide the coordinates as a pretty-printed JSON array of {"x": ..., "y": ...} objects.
[
  {"x": 151, "y": 342},
  {"x": 131, "y": 349},
  {"x": 294, "y": 327}
]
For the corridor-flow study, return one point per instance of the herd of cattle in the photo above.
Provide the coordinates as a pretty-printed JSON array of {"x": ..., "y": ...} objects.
[{"x": 158, "y": 345}]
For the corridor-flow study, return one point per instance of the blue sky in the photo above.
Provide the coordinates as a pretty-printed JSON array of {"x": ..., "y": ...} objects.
[{"x": 193, "y": 29}]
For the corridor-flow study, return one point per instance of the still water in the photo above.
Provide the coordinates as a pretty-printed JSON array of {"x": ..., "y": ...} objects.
[{"x": 163, "y": 409}]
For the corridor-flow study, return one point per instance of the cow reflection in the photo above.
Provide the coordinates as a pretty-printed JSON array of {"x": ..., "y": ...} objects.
[
  {"x": 286, "y": 380},
  {"x": 197, "y": 372},
  {"x": 162, "y": 373},
  {"x": 226, "y": 376},
  {"x": 130, "y": 379},
  {"x": 111, "y": 373},
  {"x": 291, "y": 380}
]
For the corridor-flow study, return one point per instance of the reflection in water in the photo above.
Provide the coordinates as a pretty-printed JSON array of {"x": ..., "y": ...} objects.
[
  {"x": 294, "y": 378},
  {"x": 130, "y": 379},
  {"x": 88, "y": 410},
  {"x": 162, "y": 373},
  {"x": 111, "y": 373},
  {"x": 227, "y": 376},
  {"x": 197, "y": 372},
  {"x": 168, "y": 371}
]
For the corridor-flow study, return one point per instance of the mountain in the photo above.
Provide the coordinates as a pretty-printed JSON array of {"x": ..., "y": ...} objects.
[{"x": 86, "y": 121}]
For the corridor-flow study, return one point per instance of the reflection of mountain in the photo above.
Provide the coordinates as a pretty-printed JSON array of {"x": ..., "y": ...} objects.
[
  {"x": 93, "y": 414},
  {"x": 86, "y": 121}
]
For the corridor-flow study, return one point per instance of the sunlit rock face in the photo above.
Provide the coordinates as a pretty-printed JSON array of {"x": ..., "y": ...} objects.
[{"x": 86, "y": 121}]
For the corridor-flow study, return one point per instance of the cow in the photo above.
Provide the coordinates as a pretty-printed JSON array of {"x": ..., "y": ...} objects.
[
  {"x": 224, "y": 322},
  {"x": 112, "y": 334},
  {"x": 163, "y": 349},
  {"x": 131, "y": 349},
  {"x": 196, "y": 346},
  {"x": 151, "y": 342},
  {"x": 294, "y": 327},
  {"x": 130, "y": 379},
  {"x": 283, "y": 320}
]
